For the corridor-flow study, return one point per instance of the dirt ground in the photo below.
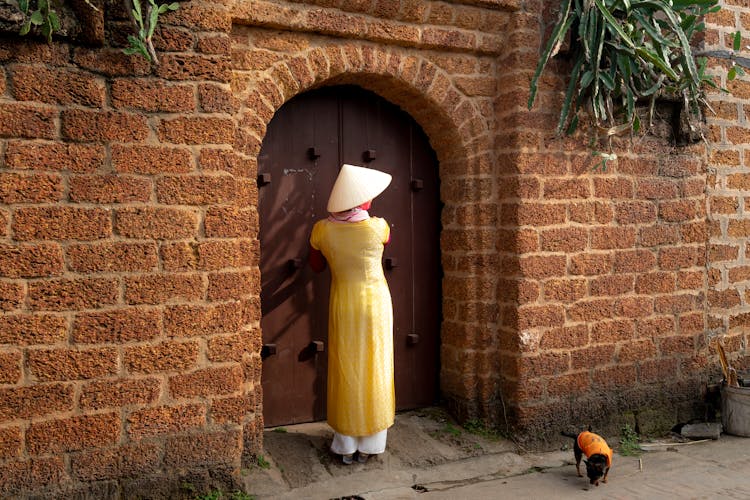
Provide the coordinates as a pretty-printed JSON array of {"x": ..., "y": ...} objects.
[
  {"x": 430, "y": 456},
  {"x": 299, "y": 458}
]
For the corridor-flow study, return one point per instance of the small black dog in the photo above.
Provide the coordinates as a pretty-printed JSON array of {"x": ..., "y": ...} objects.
[{"x": 597, "y": 451}]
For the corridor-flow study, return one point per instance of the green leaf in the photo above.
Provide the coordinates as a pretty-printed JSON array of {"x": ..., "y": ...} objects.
[
  {"x": 597, "y": 63},
  {"x": 658, "y": 62},
  {"x": 586, "y": 25},
  {"x": 588, "y": 36},
  {"x": 24, "y": 6},
  {"x": 568, "y": 100},
  {"x": 652, "y": 31},
  {"x": 586, "y": 79},
  {"x": 137, "y": 47},
  {"x": 687, "y": 55},
  {"x": 737, "y": 42},
  {"x": 732, "y": 73},
  {"x": 558, "y": 33},
  {"x": 573, "y": 125},
  {"x": 597, "y": 106},
  {"x": 687, "y": 19},
  {"x": 47, "y": 31},
  {"x": 54, "y": 21},
  {"x": 613, "y": 25},
  {"x": 629, "y": 102},
  {"x": 683, "y": 4},
  {"x": 137, "y": 13},
  {"x": 702, "y": 64},
  {"x": 607, "y": 81},
  {"x": 652, "y": 90},
  {"x": 153, "y": 19},
  {"x": 36, "y": 18},
  {"x": 25, "y": 28},
  {"x": 165, "y": 7}
]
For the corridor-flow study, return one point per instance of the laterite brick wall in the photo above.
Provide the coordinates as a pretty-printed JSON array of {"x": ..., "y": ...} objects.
[
  {"x": 727, "y": 187},
  {"x": 129, "y": 335},
  {"x": 129, "y": 281},
  {"x": 602, "y": 272}
]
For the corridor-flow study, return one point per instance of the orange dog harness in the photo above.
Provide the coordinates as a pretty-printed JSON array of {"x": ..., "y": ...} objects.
[{"x": 591, "y": 444}]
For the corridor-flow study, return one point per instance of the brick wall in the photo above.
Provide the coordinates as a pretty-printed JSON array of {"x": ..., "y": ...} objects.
[
  {"x": 603, "y": 273},
  {"x": 129, "y": 335},
  {"x": 728, "y": 277},
  {"x": 129, "y": 282}
]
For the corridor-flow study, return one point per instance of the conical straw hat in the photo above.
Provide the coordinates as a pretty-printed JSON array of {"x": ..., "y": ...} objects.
[{"x": 356, "y": 185}]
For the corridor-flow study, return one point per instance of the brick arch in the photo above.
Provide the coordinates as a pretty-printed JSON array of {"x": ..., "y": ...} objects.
[
  {"x": 414, "y": 83},
  {"x": 459, "y": 134}
]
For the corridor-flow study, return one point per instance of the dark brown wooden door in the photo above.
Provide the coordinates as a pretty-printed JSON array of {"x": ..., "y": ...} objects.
[{"x": 305, "y": 145}]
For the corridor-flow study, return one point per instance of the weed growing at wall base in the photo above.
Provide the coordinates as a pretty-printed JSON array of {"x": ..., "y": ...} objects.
[
  {"x": 482, "y": 429},
  {"x": 262, "y": 462},
  {"x": 629, "y": 442}
]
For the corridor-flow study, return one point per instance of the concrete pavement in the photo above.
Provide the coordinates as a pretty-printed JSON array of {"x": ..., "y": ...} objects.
[
  {"x": 709, "y": 470},
  {"x": 429, "y": 457}
]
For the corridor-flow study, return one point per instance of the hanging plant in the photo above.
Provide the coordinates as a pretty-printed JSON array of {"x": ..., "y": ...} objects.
[
  {"x": 626, "y": 53},
  {"x": 145, "y": 21},
  {"x": 42, "y": 15},
  {"x": 143, "y": 14}
]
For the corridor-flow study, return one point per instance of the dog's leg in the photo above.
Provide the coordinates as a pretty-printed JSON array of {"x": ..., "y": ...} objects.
[
  {"x": 604, "y": 479},
  {"x": 578, "y": 453}
]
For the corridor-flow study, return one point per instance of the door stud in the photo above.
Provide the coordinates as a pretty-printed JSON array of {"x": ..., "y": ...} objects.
[
  {"x": 311, "y": 350},
  {"x": 412, "y": 338},
  {"x": 267, "y": 350},
  {"x": 264, "y": 179},
  {"x": 391, "y": 263},
  {"x": 369, "y": 155},
  {"x": 417, "y": 184},
  {"x": 313, "y": 153}
]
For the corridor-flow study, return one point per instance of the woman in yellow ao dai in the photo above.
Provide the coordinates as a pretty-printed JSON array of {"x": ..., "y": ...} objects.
[{"x": 361, "y": 396}]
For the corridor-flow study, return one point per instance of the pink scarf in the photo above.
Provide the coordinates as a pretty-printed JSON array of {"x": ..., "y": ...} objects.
[{"x": 355, "y": 214}]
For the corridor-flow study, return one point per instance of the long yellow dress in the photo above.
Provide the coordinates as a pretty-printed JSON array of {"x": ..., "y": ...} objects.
[{"x": 361, "y": 394}]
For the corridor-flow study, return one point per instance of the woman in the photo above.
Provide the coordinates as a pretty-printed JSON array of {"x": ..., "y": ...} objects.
[{"x": 361, "y": 395}]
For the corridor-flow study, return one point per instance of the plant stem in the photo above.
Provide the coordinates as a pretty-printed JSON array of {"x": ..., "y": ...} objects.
[{"x": 149, "y": 45}]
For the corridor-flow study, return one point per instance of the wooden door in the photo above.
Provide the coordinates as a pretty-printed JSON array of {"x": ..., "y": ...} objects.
[{"x": 305, "y": 145}]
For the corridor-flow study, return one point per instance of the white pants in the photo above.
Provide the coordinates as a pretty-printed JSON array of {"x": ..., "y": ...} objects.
[{"x": 372, "y": 445}]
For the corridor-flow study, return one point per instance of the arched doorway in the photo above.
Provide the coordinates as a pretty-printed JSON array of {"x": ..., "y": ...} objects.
[{"x": 305, "y": 144}]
